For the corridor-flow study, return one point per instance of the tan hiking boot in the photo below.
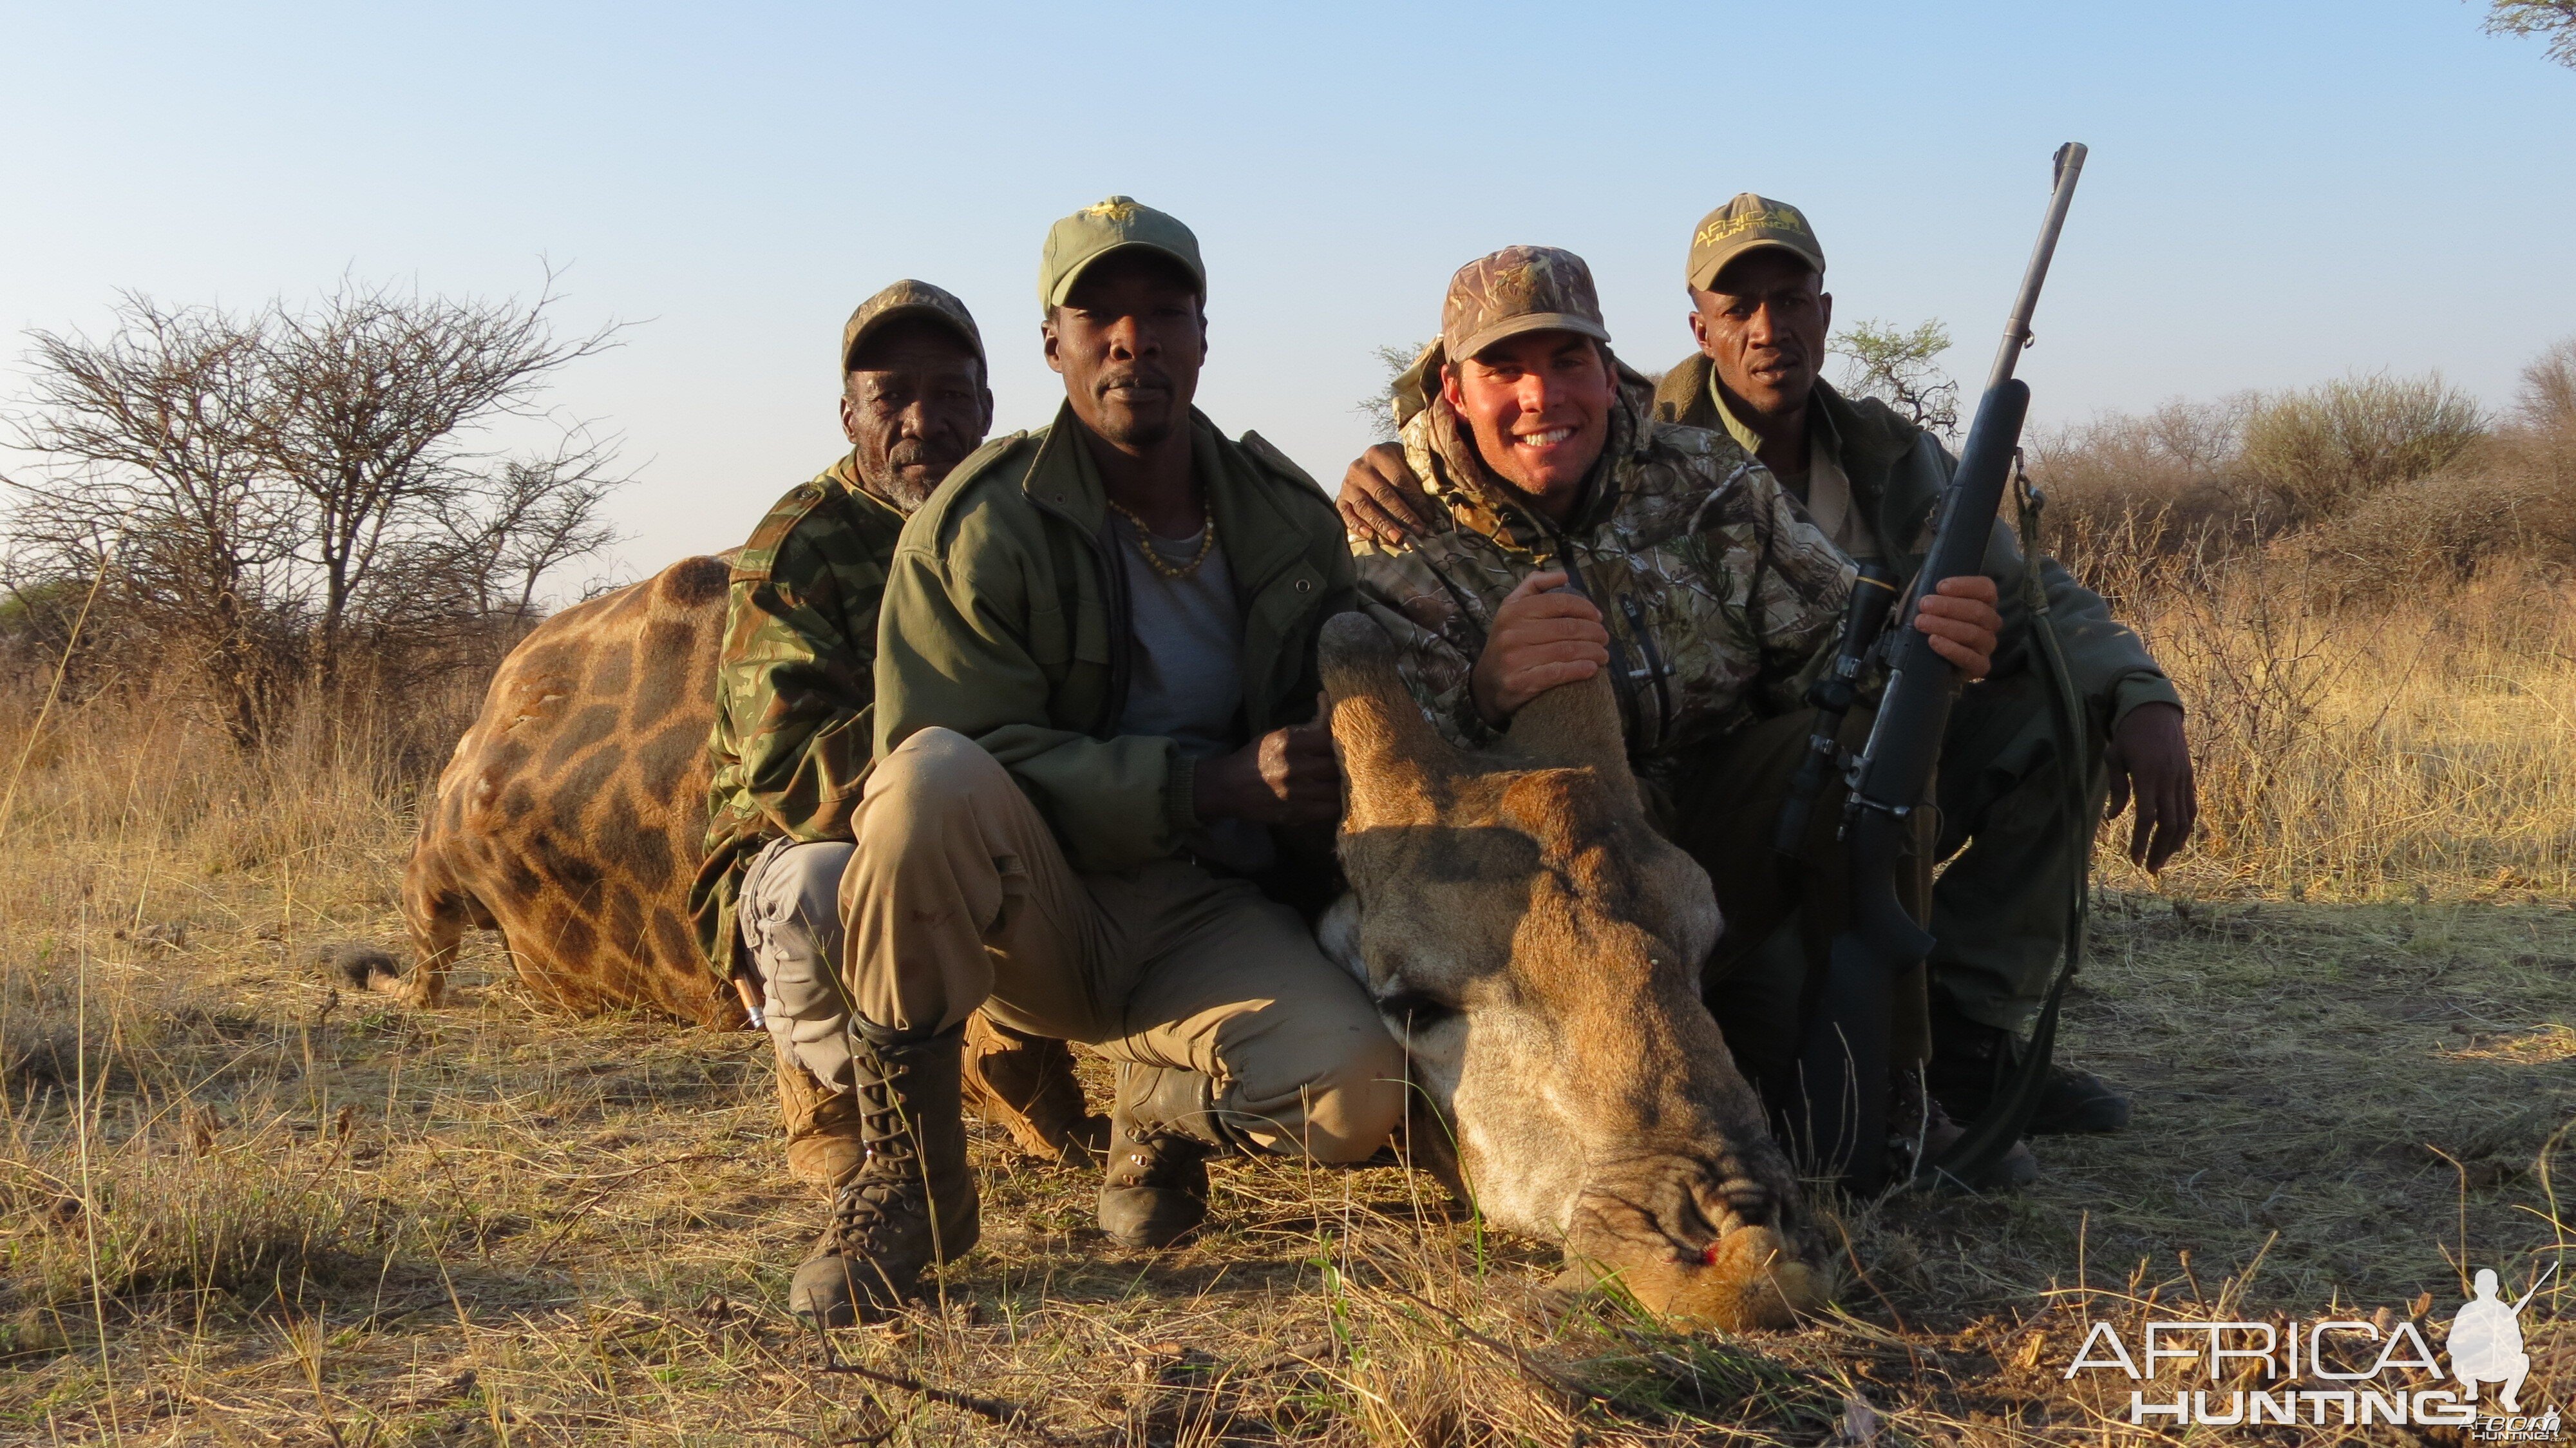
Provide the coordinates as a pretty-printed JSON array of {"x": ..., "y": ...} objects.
[
  {"x": 910, "y": 1204},
  {"x": 823, "y": 1145},
  {"x": 1025, "y": 1085}
]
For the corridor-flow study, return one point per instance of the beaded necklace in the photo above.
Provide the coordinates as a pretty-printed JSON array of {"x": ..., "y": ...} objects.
[{"x": 1154, "y": 556}]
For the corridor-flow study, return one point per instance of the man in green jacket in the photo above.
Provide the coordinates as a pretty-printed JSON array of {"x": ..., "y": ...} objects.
[
  {"x": 1095, "y": 732},
  {"x": 1869, "y": 478}
]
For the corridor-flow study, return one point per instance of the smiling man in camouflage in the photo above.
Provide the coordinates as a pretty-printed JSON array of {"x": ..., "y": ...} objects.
[
  {"x": 1866, "y": 475},
  {"x": 1570, "y": 532}
]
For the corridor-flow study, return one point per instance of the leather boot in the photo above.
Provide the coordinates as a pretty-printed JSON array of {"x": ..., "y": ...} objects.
[
  {"x": 1162, "y": 1129},
  {"x": 1971, "y": 1060},
  {"x": 912, "y": 1202},
  {"x": 1025, "y": 1085},
  {"x": 823, "y": 1145},
  {"x": 1919, "y": 1131}
]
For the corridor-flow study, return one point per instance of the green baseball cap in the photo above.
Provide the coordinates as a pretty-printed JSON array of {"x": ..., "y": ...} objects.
[
  {"x": 1749, "y": 223},
  {"x": 1515, "y": 290},
  {"x": 904, "y": 301},
  {"x": 1116, "y": 224}
]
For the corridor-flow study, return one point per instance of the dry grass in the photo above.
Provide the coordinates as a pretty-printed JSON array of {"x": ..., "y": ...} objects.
[
  {"x": 238, "y": 1206},
  {"x": 2411, "y": 748}
]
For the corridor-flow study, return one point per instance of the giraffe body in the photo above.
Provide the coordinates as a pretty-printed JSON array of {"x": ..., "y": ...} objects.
[
  {"x": 572, "y": 818},
  {"x": 572, "y": 815}
]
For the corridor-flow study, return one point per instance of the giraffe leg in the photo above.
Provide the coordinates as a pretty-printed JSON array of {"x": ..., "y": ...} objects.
[{"x": 436, "y": 913}]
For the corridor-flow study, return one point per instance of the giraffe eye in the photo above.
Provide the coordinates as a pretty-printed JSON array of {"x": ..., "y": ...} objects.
[{"x": 1418, "y": 1010}]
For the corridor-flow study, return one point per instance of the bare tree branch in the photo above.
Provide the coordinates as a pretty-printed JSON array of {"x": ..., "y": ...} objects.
[
  {"x": 374, "y": 399},
  {"x": 266, "y": 495},
  {"x": 2553, "y": 19}
]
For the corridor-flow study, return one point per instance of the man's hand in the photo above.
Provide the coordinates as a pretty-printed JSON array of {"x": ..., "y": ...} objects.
[
  {"x": 1285, "y": 777},
  {"x": 1542, "y": 637},
  {"x": 2150, "y": 758},
  {"x": 1961, "y": 619},
  {"x": 1381, "y": 499}
]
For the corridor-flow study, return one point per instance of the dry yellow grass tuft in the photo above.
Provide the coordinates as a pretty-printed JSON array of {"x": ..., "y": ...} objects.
[
  {"x": 2413, "y": 748},
  {"x": 240, "y": 1206}
]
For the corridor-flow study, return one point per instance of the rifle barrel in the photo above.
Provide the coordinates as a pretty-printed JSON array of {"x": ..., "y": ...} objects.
[{"x": 2070, "y": 163}]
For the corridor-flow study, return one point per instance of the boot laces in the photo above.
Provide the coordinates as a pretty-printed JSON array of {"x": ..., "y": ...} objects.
[{"x": 1156, "y": 1159}]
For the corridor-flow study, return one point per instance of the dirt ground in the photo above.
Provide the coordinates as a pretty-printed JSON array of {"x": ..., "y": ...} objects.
[{"x": 240, "y": 1204}]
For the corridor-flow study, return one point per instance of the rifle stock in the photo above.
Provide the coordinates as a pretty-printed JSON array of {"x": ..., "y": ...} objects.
[{"x": 1842, "y": 1063}]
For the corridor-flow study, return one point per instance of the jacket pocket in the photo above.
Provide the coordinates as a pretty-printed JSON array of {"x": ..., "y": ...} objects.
[{"x": 1051, "y": 641}]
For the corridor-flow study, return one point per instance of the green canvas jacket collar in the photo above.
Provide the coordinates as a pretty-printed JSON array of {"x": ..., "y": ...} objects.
[
  {"x": 1869, "y": 448},
  {"x": 1265, "y": 551}
]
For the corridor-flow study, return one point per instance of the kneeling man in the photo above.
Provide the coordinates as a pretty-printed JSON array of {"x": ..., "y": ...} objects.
[
  {"x": 1571, "y": 532},
  {"x": 1096, "y": 689},
  {"x": 795, "y": 687}
]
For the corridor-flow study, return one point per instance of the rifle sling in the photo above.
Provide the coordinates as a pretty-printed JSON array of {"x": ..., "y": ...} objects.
[{"x": 2008, "y": 1115}]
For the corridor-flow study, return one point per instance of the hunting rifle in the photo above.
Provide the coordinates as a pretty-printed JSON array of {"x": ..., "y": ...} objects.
[{"x": 1842, "y": 1061}]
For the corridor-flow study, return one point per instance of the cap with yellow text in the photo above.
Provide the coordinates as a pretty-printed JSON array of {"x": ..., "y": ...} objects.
[
  {"x": 1117, "y": 224},
  {"x": 907, "y": 300},
  {"x": 1518, "y": 289},
  {"x": 1749, "y": 223}
]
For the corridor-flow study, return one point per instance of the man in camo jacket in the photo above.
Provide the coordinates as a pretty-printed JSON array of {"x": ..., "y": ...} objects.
[
  {"x": 1574, "y": 532},
  {"x": 795, "y": 692}
]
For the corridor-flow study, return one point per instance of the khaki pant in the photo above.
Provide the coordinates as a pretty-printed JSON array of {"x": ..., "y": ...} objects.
[
  {"x": 958, "y": 896},
  {"x": 1781, "y": 914},
  {"x": 789, "y": 918}
]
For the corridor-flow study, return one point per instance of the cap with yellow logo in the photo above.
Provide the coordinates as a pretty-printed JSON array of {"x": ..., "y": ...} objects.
[
  {"x": 1515, "y": 290},
  {"x": 1749, "y": 223},
  {"x": 908, "y": 300},
  {"x": 1116, "y": 224}
]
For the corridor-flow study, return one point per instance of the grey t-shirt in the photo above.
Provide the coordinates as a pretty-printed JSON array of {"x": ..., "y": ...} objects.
[{"x": 1185, "y": 678}]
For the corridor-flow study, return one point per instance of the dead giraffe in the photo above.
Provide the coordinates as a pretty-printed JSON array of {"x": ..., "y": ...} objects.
[{"x": 572, "y": 818}]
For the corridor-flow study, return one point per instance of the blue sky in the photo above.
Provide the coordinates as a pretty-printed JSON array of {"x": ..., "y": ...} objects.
[{"x": 2278, "y": 193}]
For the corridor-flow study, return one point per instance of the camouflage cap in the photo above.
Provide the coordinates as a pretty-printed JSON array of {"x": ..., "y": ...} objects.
[
  {"x": 1116, "y": 224},
  {"x": 905, "y": 300},
  {"x": 1749, "y": 223},
  {"x": 1515, "y": 290}
]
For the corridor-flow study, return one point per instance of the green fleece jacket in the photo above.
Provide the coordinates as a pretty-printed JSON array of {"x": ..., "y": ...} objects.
[
  {"x": 1006, "y": 619},
  {"x": 1897, "y": 471}
]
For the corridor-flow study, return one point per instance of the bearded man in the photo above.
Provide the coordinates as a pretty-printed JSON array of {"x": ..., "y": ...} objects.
[{"x": 796, "y": 695}]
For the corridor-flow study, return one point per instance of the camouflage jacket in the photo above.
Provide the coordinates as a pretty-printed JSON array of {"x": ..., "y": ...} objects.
[
  {"x": 795, "y": 685},
  {"x": 1897, "y": 472},
  {"x": 1717, "y": 591}
]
